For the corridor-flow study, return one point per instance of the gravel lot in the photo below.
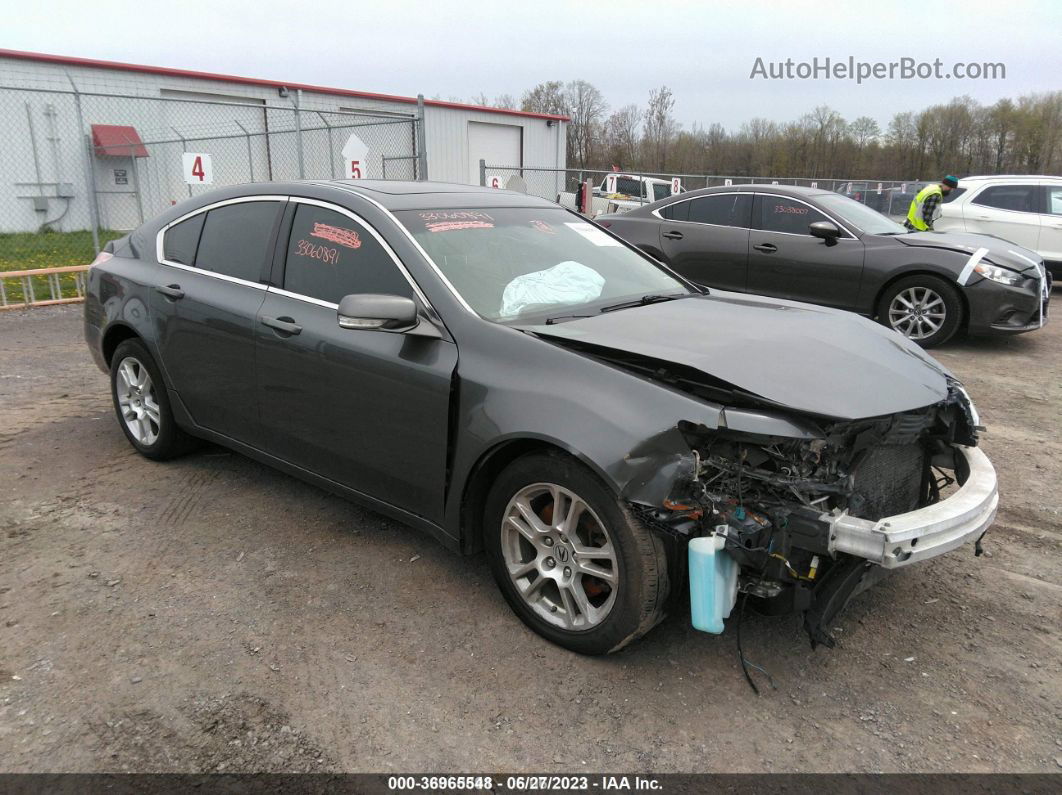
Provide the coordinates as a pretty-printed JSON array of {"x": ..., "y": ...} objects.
[{"x": 212, "y": 614}]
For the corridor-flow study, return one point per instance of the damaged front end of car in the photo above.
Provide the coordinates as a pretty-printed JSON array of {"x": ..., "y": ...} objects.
[{"x": 801, "y": 523}]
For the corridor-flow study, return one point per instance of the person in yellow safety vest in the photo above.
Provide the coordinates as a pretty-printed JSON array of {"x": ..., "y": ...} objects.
[{"x": 925, "y": 208}]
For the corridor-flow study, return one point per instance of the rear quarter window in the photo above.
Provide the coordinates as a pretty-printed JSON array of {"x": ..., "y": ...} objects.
[{"x": 180, "y": 241}]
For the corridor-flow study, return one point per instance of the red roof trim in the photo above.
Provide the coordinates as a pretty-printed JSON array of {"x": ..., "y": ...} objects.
[{"x": 254, "y": 81}]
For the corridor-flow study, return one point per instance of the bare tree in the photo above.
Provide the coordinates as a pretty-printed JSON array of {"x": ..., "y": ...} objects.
[
  {"x": 621, "y": 136},
  {"x": 546, "y": 97},
  {"x": 507, "y": 101},
  {"x": 660, "y": 126},
  {"x": 586, "y": 108}
]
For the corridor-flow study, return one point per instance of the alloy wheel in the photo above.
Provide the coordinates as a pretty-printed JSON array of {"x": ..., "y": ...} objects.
[
  {"x": 917, "y": 312},
  {"x": 137, "y": 401},
  {"x": 560, "y": 556}
]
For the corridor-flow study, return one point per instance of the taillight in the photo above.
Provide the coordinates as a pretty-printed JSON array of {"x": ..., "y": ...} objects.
[{"x": 101, "y": 258}]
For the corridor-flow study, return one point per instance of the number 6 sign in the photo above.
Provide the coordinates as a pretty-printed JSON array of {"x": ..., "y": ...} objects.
[{"x": 198, "y": 169}]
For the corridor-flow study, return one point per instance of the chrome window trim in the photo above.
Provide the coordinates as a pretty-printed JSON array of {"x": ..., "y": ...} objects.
[
  {"x": 159, "y": 248},
  {"x": 214, "y": 275},
  {"x": 704, "y": 223},
  {"x": 300, "y": 297},
  {"x": 829, "y": 217}
]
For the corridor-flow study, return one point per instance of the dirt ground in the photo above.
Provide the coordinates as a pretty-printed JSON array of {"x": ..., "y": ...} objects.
[{"x": 212, "y": 614}]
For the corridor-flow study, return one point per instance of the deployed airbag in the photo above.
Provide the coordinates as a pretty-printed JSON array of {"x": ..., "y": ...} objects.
[{"x": 568, "y": 283}]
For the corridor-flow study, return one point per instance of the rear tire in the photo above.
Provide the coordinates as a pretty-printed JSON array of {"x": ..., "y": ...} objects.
[
  {"x": 925, "y": 309},
  {"x": 590, "y": 578},
  {"x": 143, "y": 404}
]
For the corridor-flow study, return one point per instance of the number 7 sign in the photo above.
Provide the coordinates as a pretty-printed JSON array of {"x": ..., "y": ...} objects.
[{"x": 198, "y": 170}]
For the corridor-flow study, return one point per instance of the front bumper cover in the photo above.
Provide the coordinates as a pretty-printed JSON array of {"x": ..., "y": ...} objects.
[{"x": 906, "y": 538}]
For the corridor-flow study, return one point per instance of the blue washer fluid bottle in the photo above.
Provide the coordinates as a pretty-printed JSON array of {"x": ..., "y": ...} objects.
[{"x": 713, "y": 583}]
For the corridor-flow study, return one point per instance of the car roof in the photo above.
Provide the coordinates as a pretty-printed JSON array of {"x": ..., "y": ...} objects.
[
  {"x": 419, "y": 195},
  {"x": 784, "y": 190},
  {"x": 397, "y": 195},
  {"x": 991, "y": 177}
]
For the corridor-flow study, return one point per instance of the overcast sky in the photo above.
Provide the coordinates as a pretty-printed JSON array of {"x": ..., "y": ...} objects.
[{"x": 703, "y": 51}]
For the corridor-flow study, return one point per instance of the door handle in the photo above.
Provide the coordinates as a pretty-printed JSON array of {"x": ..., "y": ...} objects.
[
  {"x": 766, "y": 248},
  {"x": 285, "y": 325},
  {"x": 172, "y": 291},
  {"x": 673, "y": 235}
]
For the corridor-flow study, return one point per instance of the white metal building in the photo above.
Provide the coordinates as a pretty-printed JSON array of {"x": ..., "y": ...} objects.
[{"x": 86, "y": 137}]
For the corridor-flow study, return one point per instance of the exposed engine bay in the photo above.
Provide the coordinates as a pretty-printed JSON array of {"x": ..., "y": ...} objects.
[{"x": 770, "y": 499}]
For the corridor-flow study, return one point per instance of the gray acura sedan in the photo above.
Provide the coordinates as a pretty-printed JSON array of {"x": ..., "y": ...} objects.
[
  {"x": 815, "y": 245},
  {"x": 495, "y": 370}
]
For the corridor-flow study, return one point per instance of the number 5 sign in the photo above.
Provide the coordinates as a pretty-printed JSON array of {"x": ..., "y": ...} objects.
[
  {"x": 354, "y": 153},
  {"x": 197, "y": 169}
]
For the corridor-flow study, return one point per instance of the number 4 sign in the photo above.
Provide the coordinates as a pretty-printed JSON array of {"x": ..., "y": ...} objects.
[{"x": 198, "y": 169}]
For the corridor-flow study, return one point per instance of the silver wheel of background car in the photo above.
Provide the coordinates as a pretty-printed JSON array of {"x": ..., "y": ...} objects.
[
  {"x": 917, "y": 312},
  {"x": 560, "y": 556},
  {"x": 137, "y": 401}
]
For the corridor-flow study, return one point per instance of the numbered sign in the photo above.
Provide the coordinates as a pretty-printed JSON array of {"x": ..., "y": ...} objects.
[
  {"x": 728, "y": 182},
  {"x": 879, "y": 188},
  {"x": 495, "y": 182},
  {"x": 610, "y": 184},
  {"x": 198, "y": 169},
  {"x": 903, "y": 188},
  {"x": 354, "y": 153},
  {"x": 814, "y": 184},
  {"x": 774, "y": 182},
  {"x": 676, "y": 185}
]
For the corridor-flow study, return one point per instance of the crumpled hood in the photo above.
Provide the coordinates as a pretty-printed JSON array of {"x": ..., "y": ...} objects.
[
  {"x": 805, "y": 357},
  {"x": 1000, "y": 251}
]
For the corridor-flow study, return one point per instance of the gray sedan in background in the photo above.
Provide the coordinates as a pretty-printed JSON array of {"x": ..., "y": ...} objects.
[{"x": 825, "y": 248}]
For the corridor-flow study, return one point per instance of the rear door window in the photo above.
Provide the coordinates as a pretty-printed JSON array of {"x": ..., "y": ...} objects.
[
  {"x": 781, "y": 214},
  {"x": 236, "y": 239},
  {"x": 180, "y": 241},
  {"x": 731, "y": 209},
  {"x": 331, "y": 255},
  {"x": 1017, "y": 198}
]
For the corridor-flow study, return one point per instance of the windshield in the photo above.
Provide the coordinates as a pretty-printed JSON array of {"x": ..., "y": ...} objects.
[
  {"x": 521, "y": 264},
  {"x": 870, "y": 221}
]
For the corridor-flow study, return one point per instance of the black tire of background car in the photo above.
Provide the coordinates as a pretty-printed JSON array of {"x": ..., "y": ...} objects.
[
  {"x": 642, "y": 557},
  {"x": 171, "y": 441},
  {"x": 952, "y": 304}
]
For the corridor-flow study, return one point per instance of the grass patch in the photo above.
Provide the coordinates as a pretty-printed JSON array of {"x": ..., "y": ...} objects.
[{"x": 31, "y": 250}]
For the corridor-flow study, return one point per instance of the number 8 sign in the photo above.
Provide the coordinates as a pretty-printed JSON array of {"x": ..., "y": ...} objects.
[{"x": 198, "y": 170}]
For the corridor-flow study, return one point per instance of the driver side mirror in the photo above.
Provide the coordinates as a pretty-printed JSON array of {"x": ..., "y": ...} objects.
[{"x": 826, "y": 230}]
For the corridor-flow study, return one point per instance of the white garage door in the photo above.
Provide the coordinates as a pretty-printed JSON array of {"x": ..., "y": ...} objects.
[{"x": 498, "y": 144}]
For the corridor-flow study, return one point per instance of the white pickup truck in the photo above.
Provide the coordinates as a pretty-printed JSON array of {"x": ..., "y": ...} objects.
[{"x": 630, "y": 192}]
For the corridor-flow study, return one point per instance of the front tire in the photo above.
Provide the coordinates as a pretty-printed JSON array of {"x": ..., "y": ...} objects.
[
  {"x": 143, "y": 405},
  {"x": 570, "y": 559},
  {"x": 925, "y": 309}
]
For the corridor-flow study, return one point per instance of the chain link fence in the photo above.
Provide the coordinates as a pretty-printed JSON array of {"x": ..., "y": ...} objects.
[
  {"x": 81, "y": 167},
  {"x": 889, "y": 197}
]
